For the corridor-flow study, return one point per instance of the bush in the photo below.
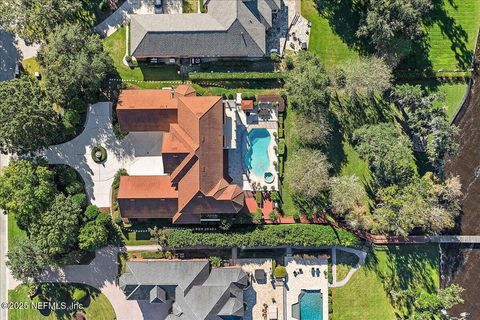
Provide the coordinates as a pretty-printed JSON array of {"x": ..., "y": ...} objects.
[
  {"x": 79, "y": 294},
  {"x": 216, "y": 262},
  {"x": 257, "y": 216},
  {"x": 152, "y": 255},
  {"x": 258, "y": 198},
  {"x": 92, "y": 212},
  {"x": 128, "y": 58},
  {"x": 289, "y": 62},
  {"x": 104, "y": 219},
  {"x": 199, "y": 76},
  {"x": 275, "y": 196},
  {"x": 71, "y": 119},
  {"x": 81, "y": 199},
  {"x": 79, "y": 105},
  {"x": 74, "y": 188},
  {"x": 65, "y": 175},
  {"x": 99, "y": 154},
  {"x": 274, "y": 56},
  {"x": 118, "y": 220},
  {"x": 280, "y": 272},
  {"x": 268, "y": 235},
  {"x": 230, "y": 96},
  {"x": 226, "y": 223},
  {"x": 273, "y": 215},
  {"x": 103, "y": 5}
]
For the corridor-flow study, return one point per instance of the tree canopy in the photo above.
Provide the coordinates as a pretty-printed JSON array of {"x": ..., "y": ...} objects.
[
  {"x": 26, "y": 190},
  {"x": 312, "y": 131},
  {"x": 27, "y": 120},
  {"x": 391, "y": 26},
  {"x": 427, "y": 122},
  {"x": 56, "y": 231},
  {"x": 26, "y": 261},
  {"x": 74, "y": 63},
  {"x": 388, "y": 152},
  {"x": 93, "y": 235},
  {"x": 307, "y": 85},
  {"x": 33, "y": 20}
]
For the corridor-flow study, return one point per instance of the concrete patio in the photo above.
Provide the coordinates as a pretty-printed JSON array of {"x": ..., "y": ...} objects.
[{"x": 139, "y": 153}]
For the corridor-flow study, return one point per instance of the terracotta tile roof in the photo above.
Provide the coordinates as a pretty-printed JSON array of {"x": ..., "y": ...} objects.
[
  {"x": 199, "y": 177},
  {"x": 247, "y": 104},
  {"x": 185, "y": 90},
  {"x": 146, "y": 99},
  {"x": 146, "y": 187}
]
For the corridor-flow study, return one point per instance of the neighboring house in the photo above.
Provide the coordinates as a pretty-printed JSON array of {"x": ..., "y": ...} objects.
[
  {"x": 194, "y": 291},
  {"x": 195, "y": 188},
  {"x": 231, "y": 29}
]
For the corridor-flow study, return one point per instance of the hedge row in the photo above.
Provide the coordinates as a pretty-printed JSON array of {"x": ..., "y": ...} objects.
[
  {"x": 197, "y": 76},
  {"x": 430, "y": 74},
  {"x": 270, "y": 235}
]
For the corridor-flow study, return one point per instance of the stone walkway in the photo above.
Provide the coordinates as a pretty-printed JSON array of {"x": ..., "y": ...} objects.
[
  {"x": 101, "y": 274},
  {"x": 138, "y": 153}
]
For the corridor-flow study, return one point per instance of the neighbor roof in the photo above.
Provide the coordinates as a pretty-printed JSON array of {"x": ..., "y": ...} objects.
[
  {"x": 196, "y": 292},
  {"x": 231, "y": 28}
]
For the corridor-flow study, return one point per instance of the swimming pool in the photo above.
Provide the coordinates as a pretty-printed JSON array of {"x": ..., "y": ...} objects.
[
  {"x": 311, "y": 305},
  {"x": 256, "y": 158}
]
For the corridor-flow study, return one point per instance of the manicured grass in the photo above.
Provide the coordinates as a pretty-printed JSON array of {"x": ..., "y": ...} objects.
[
  {"x": 31, "y": 66},
  {"x": 98, "y": 308},
  {"x": 14, "y": 232},
  {"x": 115, "y": 46},
  {"x": 387, "y": 269},
  {"x": 454, "y": 93},
  {"x": 452, "y": 37},
  {"x": 190, "y": 6},
  {"x": 333, "y": 51}
]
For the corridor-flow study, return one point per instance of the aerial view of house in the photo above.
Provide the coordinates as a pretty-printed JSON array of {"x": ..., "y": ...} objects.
[{"x": 239, "y": 159}]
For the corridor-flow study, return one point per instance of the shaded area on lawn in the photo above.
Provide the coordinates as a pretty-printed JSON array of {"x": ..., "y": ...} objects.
[
  {"x": 391, "y": 268},
  {"x": 95, "y": 305}
]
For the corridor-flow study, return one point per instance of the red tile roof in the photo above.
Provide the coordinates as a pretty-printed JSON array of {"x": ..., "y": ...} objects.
[{"x": 146, "y": 187}]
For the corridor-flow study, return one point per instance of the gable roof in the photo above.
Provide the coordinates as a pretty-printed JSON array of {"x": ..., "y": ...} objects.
[{"x": 229, "y": 29}]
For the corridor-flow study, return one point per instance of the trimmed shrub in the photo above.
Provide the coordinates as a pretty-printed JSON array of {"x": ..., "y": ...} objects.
[
  {"x": 268, "y": 235},
  {"x": 104, "y": 219},
  {"x": 152, "y": 255},
  {"x": 280, "y": 272},
  {"x": 99, "y": 154},
  {"x": 198, "y": 76},
  {"x": 81, "y": 199},
  {"x": 92, "y": 212},
  {"x": 74, "y": 188},
  {"x": 258, "y": 198},
  {"x": 128, "y": 58},
  {"x": 79, "y": 294},
  {"x": 230, "y": 96},
  {"x": 118, "y": 220}
]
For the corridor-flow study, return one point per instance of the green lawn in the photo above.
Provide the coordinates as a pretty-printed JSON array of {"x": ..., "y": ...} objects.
[
  {"x": 115, "y": 46},
  {"x": 14, "y": 232},
  {"x": 452, "y": 37},
  {"x": 365, "y": 296},
  {"x": 454, "y": 93},
  {"x": 97, "y": 308},
  {"x": 345, "y": 262},
  {"x": 332, "y": 50}
]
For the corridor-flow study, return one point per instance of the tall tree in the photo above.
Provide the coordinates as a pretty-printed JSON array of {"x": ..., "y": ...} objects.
[
  {"x": 27, "y": 120},
  {"x": 26, "y": 190},
  {"x": 312, "y": 131},
  {"x": 390, "y": 26},
  {"x": 26, "y": 261},
  {"x": 307, "y": 85},
  {"x": 388, "y": 151},
  {"x": 363, "y": 78},
  {"x": 427, "y": 122},
  {"x": 346, "y": 193},
  {"x": 306, "y": 173},
  {"x": 93, "y": 235},
  {"x": 74, "y": 63},
  {"x": 32, "y": 20},
  {"x": 57, "y": 229}
]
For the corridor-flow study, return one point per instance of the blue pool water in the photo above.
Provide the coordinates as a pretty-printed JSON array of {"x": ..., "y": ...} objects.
[
  {"x": 311, "y": 305},
  {"x": 256, "y": 159}
]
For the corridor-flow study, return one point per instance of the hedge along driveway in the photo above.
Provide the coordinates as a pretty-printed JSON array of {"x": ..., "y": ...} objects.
[{"x": 273, "y": 235}]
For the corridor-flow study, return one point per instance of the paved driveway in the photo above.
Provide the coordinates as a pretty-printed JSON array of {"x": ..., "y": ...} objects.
[
  {"x": 139, "y": 153},
  {"x": 115, "y": 20},
  {"x": 9, "y": 55}
]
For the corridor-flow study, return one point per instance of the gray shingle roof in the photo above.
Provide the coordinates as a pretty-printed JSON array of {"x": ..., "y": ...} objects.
[
  {"x": 198, "y": 294},
  {"x": 229, "y": 29}
]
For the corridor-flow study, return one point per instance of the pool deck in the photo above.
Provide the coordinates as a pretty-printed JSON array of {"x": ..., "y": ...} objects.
[{"x": 305, "y": 281}]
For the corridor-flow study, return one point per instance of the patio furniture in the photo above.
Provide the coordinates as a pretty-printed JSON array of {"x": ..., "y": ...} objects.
[
  {"x": 318, "y": 272},
  {"x": 272, "y": 312},
  {"x": 313, "y": 271},
  {"x": 294, "y": 273},
  {"x": 300, "y": 271}
]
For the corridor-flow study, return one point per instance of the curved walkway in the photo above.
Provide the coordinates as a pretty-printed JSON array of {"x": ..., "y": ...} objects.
[
  {"x": 101, "y": 274},
  {"x": 361, "y": 261},
  {"x": 139, "y": 153}
]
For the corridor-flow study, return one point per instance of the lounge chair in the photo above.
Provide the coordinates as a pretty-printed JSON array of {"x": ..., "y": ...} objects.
[{"x": 313, "y": 271}]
